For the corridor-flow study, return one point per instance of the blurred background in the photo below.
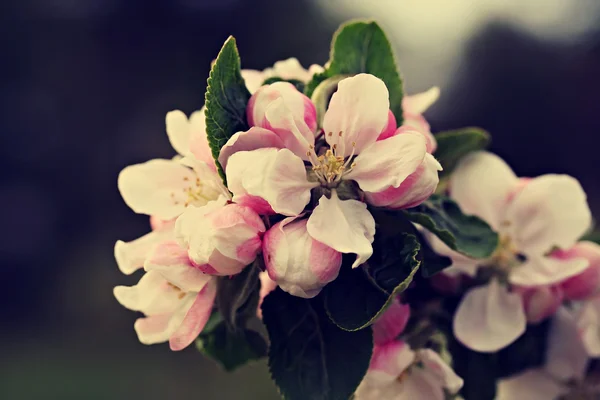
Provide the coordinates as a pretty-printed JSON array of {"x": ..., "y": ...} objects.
[{"x": 86, "y": 84}]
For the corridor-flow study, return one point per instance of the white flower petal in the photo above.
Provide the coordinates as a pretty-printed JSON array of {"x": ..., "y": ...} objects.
[
  {"x": 388, "y": 162},
  {"x": 156, "y": 187},
  {"x": 152, "y": 295},
  {"x": 481, "y": 185},
  {"x": 438, "y": 369},
  {"x": 489, "y": 318},
  {"x": 344, "y": 225},
  {"x": 130, "y": 256},
  {"x": 588, "y": 322},
  {"x": 359, "y": 110},
  {"x": 551, "y": 210},
  {"x": 534, "y": 384},
  {"x": 178, "y": 131},
  {"x": 154, "y": 329},
  {"x": 195, "y": 318},
  {"x": 541, "y": 270},
  {"x": 419, "y": 103},
  {"x": 277, "y": 176}
]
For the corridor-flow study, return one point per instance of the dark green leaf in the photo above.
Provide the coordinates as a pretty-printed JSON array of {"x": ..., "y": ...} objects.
[
  {"x": 358, "y": 296},
  {"x": 432, "y": 262},
  {"x": 309, "y": 357},
  {"x": 237, "y": 296},
  {"x": 453, "y": 145},
  {"x": 466, "y": 234},
  {"x": 231, "y": 349},
  {"x": 225, "y": 100},
  {"x": 298, "y": 84},
  {"x": 361, "y": 46}
]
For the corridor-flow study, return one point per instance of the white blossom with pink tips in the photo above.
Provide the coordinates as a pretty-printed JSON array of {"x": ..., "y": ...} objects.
[
  {"x": 164, "y": 188},
  {"x": 220, "y": 238},
  {"x": 533, "y": 217},
  {"x": 275, "y": 165},
  {"x": 289, "y": 69},
  {"x": 398, "y": 372}
]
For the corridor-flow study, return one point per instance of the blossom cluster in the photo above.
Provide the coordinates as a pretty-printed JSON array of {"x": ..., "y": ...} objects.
[{"x": 316, "y": 217}]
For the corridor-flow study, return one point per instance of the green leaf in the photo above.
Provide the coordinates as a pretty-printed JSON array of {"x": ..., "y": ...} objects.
[
  {"x": 231, "y": 349},
  {"x": 453, "y": 145},
  {"x": 309, "y": 357},
  {"x": 297, "y": 83},
  {"x": 466, "y": 234},
  {"x": 358, "y": 296},
  {"x": 361, "y": 46},
  {"x": 225, "y": 100},
  {"x": 432, "y": 262},
  {"x": 237, "y": 296}
]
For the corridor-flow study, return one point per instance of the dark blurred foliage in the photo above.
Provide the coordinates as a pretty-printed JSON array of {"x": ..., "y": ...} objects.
[{"x": 85, "y": 86}]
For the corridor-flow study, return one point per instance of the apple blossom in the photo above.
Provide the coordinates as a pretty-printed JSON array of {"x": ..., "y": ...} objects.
[
  {"x": 175, "y": 297},
  {"x": 533, "y": 217},
  {"x": 298, "y": 263},
  {"x": 588, "y": 323},
  {"x": 220, "y": 238},
  {"x": 265, "y": 167},
  {"x": 288, "y": 69},
  {"x": 398, "y": 372}
]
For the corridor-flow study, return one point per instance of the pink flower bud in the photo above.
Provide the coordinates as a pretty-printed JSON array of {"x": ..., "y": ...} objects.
[
  {"x": 541, "y": 302},
  {"x": 301, "y": 107},
  {"x": 221, "y": 239},
  {"x": 587, "y": 283},
  {"x": 298, "y": 263},
  {"x": 391, "y": 323}
]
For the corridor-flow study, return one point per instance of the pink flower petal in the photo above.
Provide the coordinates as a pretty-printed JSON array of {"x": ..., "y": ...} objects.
[
  {"x": 489, "y": 318},
  {"x": 390, "y": 128},
  {"x": 541, "y": 302},
  {"x": 299, "y": 264},
  {"x": 587, "y": 283},
  {"x": 173, "y": 263},
  {"x": 391, "y": 323},
  {"x": 359, "y": 111},
  {"x": 393, "y": 358},
  {"x": 344, "y": 225},
  {"x": 195, "y": 318},
  {"x": 388, "y": 162},
  {"x": 255, "y": 138},
  {"x": 415, "y": 189}
]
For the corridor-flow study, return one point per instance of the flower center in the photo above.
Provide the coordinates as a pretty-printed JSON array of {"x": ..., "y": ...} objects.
[
  {"x": 506, "y": 256},
  {"x": 181, "y": 294},
  {"x": 331, "y": 166},
  {"x": 194, "y": 192}
]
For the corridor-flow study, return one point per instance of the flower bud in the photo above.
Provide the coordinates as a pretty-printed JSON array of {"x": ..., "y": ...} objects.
[{"x": 298, "y": 263}]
